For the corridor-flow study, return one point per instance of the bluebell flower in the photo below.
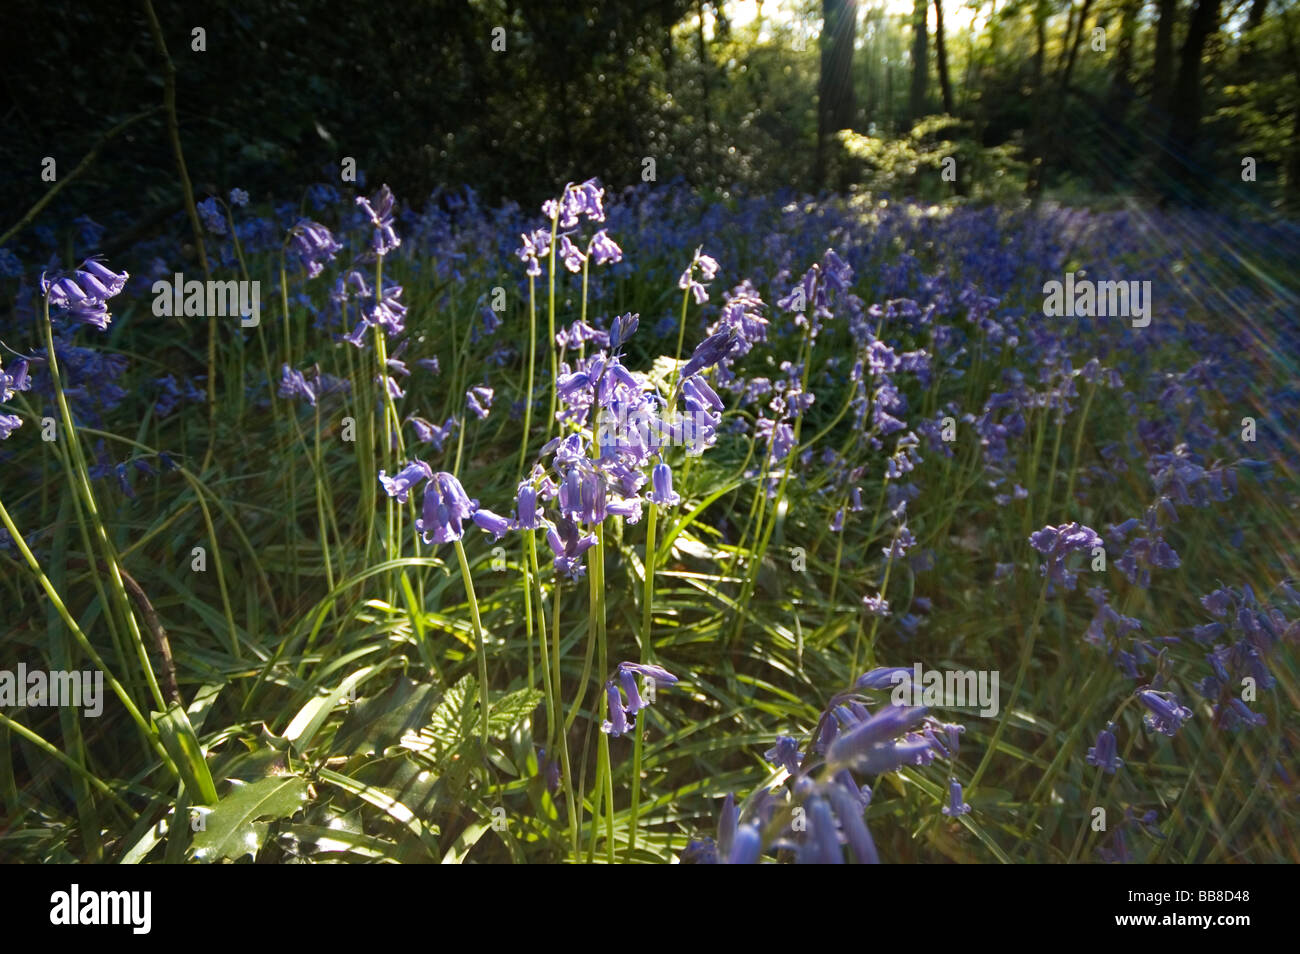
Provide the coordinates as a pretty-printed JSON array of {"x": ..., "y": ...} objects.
[
  {"x": 821, "y": 842},
  {"x": 446, "y": 507},
  {"x": 708, "y": 353},
  {"x": 427, "y": 433},
  {"x": 479, "y": 400},
  {"x": 211, "y": 216},
  {"x": 404, "y": 481},
  {"x": 1165, "y": 714},
  {"x": 849, "y": 806},
  {"x": 658, "y": 673},
  {"x": 785, "y": 753},
  {"x": 616, "y": 724},
  {"x": 84, "y": 295},
  {"x": 621, "y": 329},
  {"x": 876, "y": 605},
  {"x": 379, "y": 210},
  {"x": 627, "y": 679},
  {"x": 883, "y": 678},
  {"x": 747, "y": 846},
  {"x": 568, "y": 544},
  {"x": 1104, "y": 754},
  {"x": 15, "y": 379},
  {"x": 661, "y": 478},
  {"x": 955, "y": 807},
  {"x": 603, "y": 249},
  {"x": 294, "y": 384},
  {"x": 1056, "y": 543},
  {"x": 494, "y": 525},
  {"x": 871, "y": 744},
  {"x": 312, "y": 244}
]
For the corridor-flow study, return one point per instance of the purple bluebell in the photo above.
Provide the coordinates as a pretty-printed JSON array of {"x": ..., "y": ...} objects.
[
  {"x": 661, "y": 479},
  {"x": 708, "y": 353},
  {"x": 866, "y": 742},
  {"x": 785, "y": 753},
  {"x": 294, "y": 384},
  {"x": 405, "y": 480},
  {"x": 84, "y": 295},
  {"x": 446, "y": 507},
  {"x": 876, "y": 605},
  {"x": 427, "y": 433},
  {"x": 955, "y": 807},
  {"x": 211, "y": 216},
  {"x": 658, "y": 673},
  {"x": 313, "y": 245},
  {"x": 571, "y": 255},
  {"x": 848, "y": 809},
  {"x": 885, "y": 678},
  {"x": 627, "y": 679},
  {"x": 568, "y": 544},
  {"x": 1165, "y": 714},
  {"x": 621, "y": 329},
  {"x": 379, "y": 210},
  {"x": 616, "y": 724},
  {"x": 603, "y": 249},
  {"x": 747, "y": 846},
  {"x": 479, "y": 400},
  {"x": 821, "y": 842},
  {"x": 493, "y": 524},
  {"x": 528, "y": 515}
]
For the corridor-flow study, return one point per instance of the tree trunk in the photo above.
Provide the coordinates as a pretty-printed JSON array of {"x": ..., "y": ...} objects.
[
  {"x": 945, "y": 87},
  {"x": 1163, "y": 65},
  {"x": 704, "y": 92},
  {"x": 1185, "y": 104},
  {"x": 920, "y": 62},
  {"x": 941, "y": 57},
  {"x": 1074, "y": 47},
  {"x": 1246, "y": 62},
  {"x": 1034, "y": 179},
  {"x": 835, "y": 100},
  {"x": 1121, "y": 82}
]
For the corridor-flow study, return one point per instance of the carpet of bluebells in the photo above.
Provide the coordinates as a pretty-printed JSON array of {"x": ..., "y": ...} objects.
[{"x": 610, "y": 531}]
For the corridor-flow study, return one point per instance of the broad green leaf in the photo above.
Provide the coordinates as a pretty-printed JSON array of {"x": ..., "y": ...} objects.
[{"x": 237, "y": 826}]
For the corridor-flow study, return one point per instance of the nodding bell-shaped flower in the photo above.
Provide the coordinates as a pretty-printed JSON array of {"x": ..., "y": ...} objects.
[
  {"x": 955, "y": 807},
  {"x": 494, "y": 525},
  {"x": 446, "y": 507},
  {"x": 616, "y": 724},
  {"x": 1104, "y": 754},
  {"x": 1165, "y": 714},
  {"x": 405, "y": 480},
  {"x": 661, "y": 480}
]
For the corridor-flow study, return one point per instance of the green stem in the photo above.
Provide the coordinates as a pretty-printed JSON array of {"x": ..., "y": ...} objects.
[
  {"x": 647, "y": 600},
  {"x": 478, "y": 642}
]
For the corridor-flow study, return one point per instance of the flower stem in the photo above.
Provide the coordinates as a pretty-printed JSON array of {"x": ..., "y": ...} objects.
[
  {"x": 646, "y": 601},
  {"x": 478, "y": 642}
]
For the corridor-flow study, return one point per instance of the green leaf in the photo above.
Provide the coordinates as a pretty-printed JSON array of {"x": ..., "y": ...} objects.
[
  {"x": 509, "y": 711},
  {"x": 239, "y": 823},
  {"x": 178, "y": 738},
  {"x": 313, "y": 715},
  {"x": 377, "y": 722}
]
